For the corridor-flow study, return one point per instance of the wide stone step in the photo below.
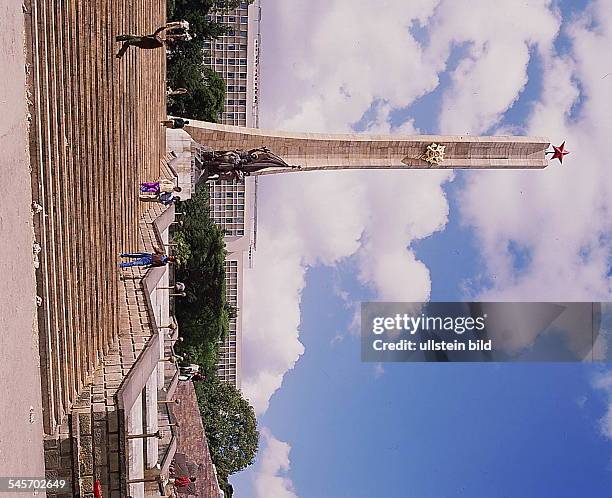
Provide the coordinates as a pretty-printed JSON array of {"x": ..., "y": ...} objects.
[{"x": 95, "y": 134}]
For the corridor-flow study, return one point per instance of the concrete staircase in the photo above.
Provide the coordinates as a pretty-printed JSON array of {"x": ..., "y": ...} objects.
[{"x": 95, "y": 134}]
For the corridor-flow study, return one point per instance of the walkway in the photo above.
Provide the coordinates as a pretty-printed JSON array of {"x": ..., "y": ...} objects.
[{"x": 21, "y": 449}]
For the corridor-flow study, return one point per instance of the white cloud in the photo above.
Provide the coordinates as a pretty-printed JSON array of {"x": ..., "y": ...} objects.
[
  {"x": 321, "y": 218},
  {"x": 486, "y": 82},
  {"x": 345, "y": 57},
  {"x": 325, "y": 64},
  {"x": 561, "y": 216},
  {"x": 339, "y": 57},
  {"x": 270, "y": 478},
  {"x": 379, "y": 370},
  {"x": 603, "y": 382}
]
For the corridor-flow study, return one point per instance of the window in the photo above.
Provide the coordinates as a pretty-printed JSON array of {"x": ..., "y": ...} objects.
[
  {"x": 242, "y": 102},
  {"x": 242, "y": 76},
  {"x": 229, "y": 220},
  {"x": 218, "y": 46},
  {"x": 244, "y": 5},
  {"x": 218, "y": 61},
  {"x": 231, "y": 19},
  {"x": 243, "y": 46},
  {"x": 231, "y": 75},
  {"x": 231, "y": 88},
  {"x": 229, "y": 194},
  {"x": 230, "y": 115},
  {"x": 243, "y": 62},
  {"x": 240, "y": 194},
  {"x": 230, "y": 102},
  {"x": 207, "y": 60},
  {"x": 244, "y": 20},
  {"x": 239, "y": 232},
  {"x": 243, "y": 33},
  {"x": 231, "y": 47},
  {"x": 231, "y": 62},
  {"x": 242, "y": 89}
]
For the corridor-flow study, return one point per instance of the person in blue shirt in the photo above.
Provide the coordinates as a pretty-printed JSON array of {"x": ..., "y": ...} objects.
[
  {"x": 167, "y": 198},
  {"x": 157, "y": 258}
]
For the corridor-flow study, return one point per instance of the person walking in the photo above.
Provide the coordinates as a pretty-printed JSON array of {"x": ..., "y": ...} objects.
[
  {"x": 147, "y": 42},
  {"x": 156, "y": 258}
]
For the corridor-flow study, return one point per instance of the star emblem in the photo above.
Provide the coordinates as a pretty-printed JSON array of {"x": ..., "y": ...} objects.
[
  {"x": 559, "y": 152},
  {"x": 434, "y": 154}
]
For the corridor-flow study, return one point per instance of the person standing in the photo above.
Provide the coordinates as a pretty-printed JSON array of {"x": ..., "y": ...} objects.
[
  {"x": 167, "y": 198},
  {"x": 184, "y": 484},
  {"x": 175, "y": 123},
  {"x": 160, "y": 186}
]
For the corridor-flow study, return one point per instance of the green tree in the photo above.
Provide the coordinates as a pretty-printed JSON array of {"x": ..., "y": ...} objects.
[
  {"x": 230, "y": 425},
  {"x": 185, "y": 69},
  {"x": 204, "y": 314},
  {"x": 206, "y": 97}
]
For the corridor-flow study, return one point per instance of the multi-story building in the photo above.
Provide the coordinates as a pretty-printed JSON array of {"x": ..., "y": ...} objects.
[{"x": 235, "y": 57}]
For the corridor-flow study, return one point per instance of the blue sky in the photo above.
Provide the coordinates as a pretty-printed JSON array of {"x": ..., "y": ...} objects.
[
  {"x": 335, "y": 427},
  {"x": 432, "y": 430}
]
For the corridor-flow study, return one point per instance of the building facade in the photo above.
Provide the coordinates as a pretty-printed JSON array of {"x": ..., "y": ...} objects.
[{"x": 235, "y": 57}]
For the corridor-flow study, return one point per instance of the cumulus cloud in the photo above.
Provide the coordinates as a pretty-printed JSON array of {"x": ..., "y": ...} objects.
[
  {"x": 326, "y": 64},
  {"x": 340, "y": 57},
  {"x": 490, "y": 78},
  {"x": 560, "y": 217},
  {"x": 603, "y": 382},
  {"x": 321, "y": 219},
  {"x": 348, "y": 57},
  {"x": 273, "y": 464}
]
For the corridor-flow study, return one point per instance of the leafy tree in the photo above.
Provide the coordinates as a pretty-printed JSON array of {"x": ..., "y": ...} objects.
[
  {"x": 230, "y": 425},
  {"x": 206, "y": 97},
  {"x": 185, "y": 69},
  {"x": 204, "y": 314}
]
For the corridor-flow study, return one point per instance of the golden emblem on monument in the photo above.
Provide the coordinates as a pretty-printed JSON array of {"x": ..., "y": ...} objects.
[{"x": 434, "y": 154}]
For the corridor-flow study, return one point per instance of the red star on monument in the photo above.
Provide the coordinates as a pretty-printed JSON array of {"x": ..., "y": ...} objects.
[{"x": 559, "y": 152}]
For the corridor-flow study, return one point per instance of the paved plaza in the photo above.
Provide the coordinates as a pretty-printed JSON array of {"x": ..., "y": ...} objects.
[{"x": 20, "y": 403}]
